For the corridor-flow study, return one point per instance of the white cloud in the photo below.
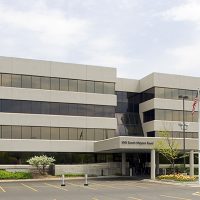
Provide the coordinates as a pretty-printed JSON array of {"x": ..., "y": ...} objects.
[
  {"x": 50, "y": 26},
  {"x": 189, "y": 11}
]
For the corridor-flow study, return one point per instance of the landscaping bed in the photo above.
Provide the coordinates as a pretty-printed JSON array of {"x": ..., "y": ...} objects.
[
  {"x": 178, "y": 177},
  {"x": 14, "y": 175}
]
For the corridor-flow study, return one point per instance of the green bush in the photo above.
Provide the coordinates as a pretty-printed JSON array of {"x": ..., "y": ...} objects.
[
  {"x": 14, "y": 175},
  {"x": 74, "y": 175}
]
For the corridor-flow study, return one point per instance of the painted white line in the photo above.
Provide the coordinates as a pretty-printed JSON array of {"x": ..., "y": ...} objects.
[
  {"x": 134, "y": 198},
  {"x": 54, "y": 186},
  {"x": 2, "y": 189},
  {"x": 173, "y": 197},
  {"x": 109, "y": 186},
  {"x": 85, "y": 187},
  {"x": 27, "y": 186},
  {"x": 196, "y": 194}
]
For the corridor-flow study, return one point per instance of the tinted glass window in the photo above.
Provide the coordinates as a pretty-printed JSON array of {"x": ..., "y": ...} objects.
[
  {"x": 45, "y": 133},
  {"x": 168, "y": 93},
  {"x": 0, "y": 79},
  {"x": 109, "y": 111},
  {"x": 64, "y": 134},
  {"x": 174, "y": 93},
  {"x": 64, "y": 109},
  {"x": 54, "y": 108},
  {"x": 82, "y": 134},
  {"x": 26, "y": 132},
  {"x": 160, "y": 92},
  {"x": 26, "y": 106},
  {"x": 81, "y": 109},
  {"x": 73, "y": 85},
  {"x": 36, "y": 82},
  {"x": 6, "y": 132},
  {"x": 90, "y": 110},
  {"x": 16, "y": 132},
  {"x": 72, "y": 109},
  {"x": 109, "y": 88},
  {"x": 36, "y": 107},
  {"x": 55, "y": 84},
  {"x": 16, "y": 80},
  {"x": 99, "y": 135},
  {"x": 36, "y": 133},
  {"x": 6, "y": 80},
  {"x": 45, "y": 108},
  {"x": 81, "y": 86},
  {"x": 64, "y": 84},
  {"x": 45, "y": 83},
  {"x": 90, "y": 86},
  {"x": 55, "y": 134},
  {"x": 90, "y": 134},
  {"x": 73, "y": 134},
  {"x": 99, "y": 87},
  {"x": 26, "y": 81},
  {"x": 99, "y": 110}
]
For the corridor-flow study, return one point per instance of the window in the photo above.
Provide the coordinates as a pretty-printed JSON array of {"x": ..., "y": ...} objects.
[
  {"x": 90, "y": 110},
  {"x": 45, "y": 83},
  {"x": 160, "y": 92},
  {"x": 99, "y": 134},
  {"x": 64, "y": 84},
  {"x": 148, "y": 116},
  {"x": 45, "y": 108},
  {"x": 16, "y": 80},
  {"x": 81, "y": 86},
  {"x": 82, "y": 135},
  {"x": 81, "y": 109},
  {"x": 73, "y": 85},
  {"x": 55, "y": 134},
  {"x": 6, "y": 80},
  {"x": 64, "y": 134},
  {"x": 109, "y": 133},
  {"x": 175, "y": 94},
  {"x": 64, "y": 109},
  {"x": 54, "y": 108},
  {"x": 99, "y": 87},
  {"x": 168, "y": 115},
  {"x": 90, "y": 86},
  {"x": 72, "y": 109},
  {"x": 26, "y": 132},
  {"x": 36, "y": 107},
  {"x": 99, "y": 110},
  {"x": 26, "y": 81},
  {"x": 36, "y": 82},
  {"x": 109, "y": 111},
  {"x": 16, "y": 132},
  {"x": 45, "y": 133},
  {"x": 109, "y": 88},
  {"x": 26, "y": 106},
  {"x": 36, "y": 133},
  {"x": 6, "y": 132},
  {"x": 73, "y": 134},
  {"x": 55, "y": 84},
  {"x": 90, "y": 134},
  {"x": 168, "y": 93}
]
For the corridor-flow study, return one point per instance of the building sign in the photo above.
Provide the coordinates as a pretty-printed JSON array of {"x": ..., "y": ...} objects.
[{"x": 138, "y": 142}]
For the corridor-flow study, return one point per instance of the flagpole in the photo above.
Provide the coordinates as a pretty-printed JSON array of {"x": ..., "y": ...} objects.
[{"x": 198, "y": 139}]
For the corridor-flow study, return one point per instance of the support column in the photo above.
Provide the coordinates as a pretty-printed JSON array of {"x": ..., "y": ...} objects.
[
  {"x": 123, "y": 164},
  {"x": 157, "y": 163},
  {"x": 191, "y": 163},
  {"x": 153, "y": 166}
]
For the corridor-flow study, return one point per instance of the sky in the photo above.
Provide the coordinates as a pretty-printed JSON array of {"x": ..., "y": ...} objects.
[{"x": 137, "y": 37}]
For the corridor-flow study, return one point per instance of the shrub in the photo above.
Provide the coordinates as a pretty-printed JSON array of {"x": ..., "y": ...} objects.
[
  {"x": 41, "y": 162},
  {"x": 74, "y": 175},
  {"x": 14, "y": 175},
  {"x": 178, "y": 177}
]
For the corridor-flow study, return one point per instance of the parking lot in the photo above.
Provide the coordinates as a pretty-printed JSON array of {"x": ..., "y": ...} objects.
[{"x": 98, "y": 189}]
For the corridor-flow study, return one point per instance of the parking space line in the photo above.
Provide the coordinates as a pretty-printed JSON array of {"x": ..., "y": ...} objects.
[
  {"x": 2, "y": 189},
  {"x": 31, "y": 188},
  {"x": 135, "y": 185},
  {"x": 110, "y": 186},
  {"x": 134, "y": 198},
  {"x": 57, "y": 187},
  {"x": 173, "y": 197},
  {"x": 196, "y": 194},
  {"x": 85, "y": 187}
]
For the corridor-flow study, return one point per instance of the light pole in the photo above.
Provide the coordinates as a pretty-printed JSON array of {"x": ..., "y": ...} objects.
[{"x": 184, "y": 127}]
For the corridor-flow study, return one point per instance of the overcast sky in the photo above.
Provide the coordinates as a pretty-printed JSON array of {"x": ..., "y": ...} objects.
[{"x": 136, "y": 36}]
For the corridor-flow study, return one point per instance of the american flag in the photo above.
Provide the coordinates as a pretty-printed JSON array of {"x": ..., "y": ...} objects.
[{"x": 194, "y": 103}]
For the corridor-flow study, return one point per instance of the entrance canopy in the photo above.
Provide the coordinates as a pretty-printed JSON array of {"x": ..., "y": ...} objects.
[{"x": 139, "y": 144}]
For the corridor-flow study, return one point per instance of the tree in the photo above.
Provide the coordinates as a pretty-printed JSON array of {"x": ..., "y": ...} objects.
[
  {"x": 168, "y": 147},
  {"x": 41, "y": 162}
]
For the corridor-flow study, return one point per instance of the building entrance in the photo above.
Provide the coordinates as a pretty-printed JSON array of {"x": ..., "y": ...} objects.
[{"x": 139, "y": 163}]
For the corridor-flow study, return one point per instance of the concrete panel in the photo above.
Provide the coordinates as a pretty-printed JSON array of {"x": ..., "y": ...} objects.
[
  {"x": 5, "y": 64},
  {"x": 127, "y": 85},
  {"x": 46, "y": 145},
  {"x": 57, "y": 121},
  {"x": 57, "y": 96}
]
